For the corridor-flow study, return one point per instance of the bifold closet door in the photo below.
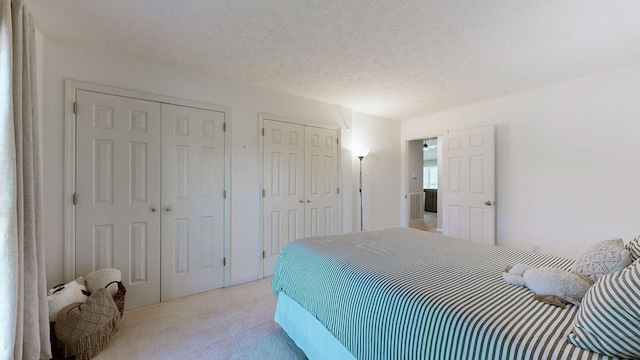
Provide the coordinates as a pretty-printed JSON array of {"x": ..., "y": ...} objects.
[
  {"x": 118, "y": 191},
  {"x": 300, "y": 179},
  {"x": 192, "y": 200}
]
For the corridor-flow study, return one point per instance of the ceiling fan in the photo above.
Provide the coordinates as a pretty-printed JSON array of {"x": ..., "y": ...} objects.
[{"x": 427, "y": 147}]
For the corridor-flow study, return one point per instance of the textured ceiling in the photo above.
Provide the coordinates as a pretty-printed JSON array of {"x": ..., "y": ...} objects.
[{"x": 395, "y": 59}]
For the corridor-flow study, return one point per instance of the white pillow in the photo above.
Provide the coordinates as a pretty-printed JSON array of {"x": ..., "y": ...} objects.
[
  {"x": 603, "y": 258},
  {"x": 634, "y": 247},
  {"x": 100, "y": 278},
  {"x": 64, "y": 295},
  {"x": 608, "y": 320}
]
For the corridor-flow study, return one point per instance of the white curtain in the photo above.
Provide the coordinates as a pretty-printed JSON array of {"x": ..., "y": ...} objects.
[{"x": 24, "y": 319}]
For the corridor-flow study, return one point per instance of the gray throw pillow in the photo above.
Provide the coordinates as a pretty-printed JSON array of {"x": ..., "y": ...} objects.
[{"x": 603, "y": 258}]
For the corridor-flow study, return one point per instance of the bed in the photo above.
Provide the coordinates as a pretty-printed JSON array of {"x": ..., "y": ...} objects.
[{"x": 402, "y": 293}]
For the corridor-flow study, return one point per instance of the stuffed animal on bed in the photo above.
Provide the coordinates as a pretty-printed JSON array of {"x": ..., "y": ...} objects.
[{"x": 551, "y": 285}]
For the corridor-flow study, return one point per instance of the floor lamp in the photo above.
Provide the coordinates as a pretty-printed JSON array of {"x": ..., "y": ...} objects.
[{"x": 361, "y": 154}]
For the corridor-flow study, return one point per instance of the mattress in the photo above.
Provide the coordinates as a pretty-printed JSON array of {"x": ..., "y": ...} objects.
[
  {"x": 401, "y": 293},
  {"x": 307, "y": 332}
]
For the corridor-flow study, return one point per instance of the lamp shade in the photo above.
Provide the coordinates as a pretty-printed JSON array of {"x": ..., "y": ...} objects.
[{"x": 361, "y": 152}]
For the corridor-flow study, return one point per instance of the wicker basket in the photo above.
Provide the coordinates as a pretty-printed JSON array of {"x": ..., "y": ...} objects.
[{"x": 119, "y": 296}]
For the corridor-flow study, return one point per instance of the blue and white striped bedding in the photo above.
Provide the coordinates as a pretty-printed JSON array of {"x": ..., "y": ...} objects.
[{"x": 407, "y": 294}]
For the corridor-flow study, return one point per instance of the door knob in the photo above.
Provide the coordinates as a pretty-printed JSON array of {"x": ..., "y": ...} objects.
[
  {"x": 153, "y": 209},
  {"x": 488, "y": 203},
  {"x": 301, "y": 201},
  {"x": 308, "y": 201},
  {"x": 167, "y": 209}
]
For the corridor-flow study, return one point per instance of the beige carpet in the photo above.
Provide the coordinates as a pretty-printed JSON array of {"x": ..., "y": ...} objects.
[{"x": 230, "y": 323}]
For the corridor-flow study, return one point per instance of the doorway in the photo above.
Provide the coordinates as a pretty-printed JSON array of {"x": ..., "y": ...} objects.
[
  {"x": 466, "y": 182},
  {"x": 423, "y": 197}
]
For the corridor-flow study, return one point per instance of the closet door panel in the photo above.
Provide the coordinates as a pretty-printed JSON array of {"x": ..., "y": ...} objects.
[
  {"x": 321, "y": 181},
  {"x": 192, "y": 200},
  {"x": 283, "y": 202},
  {"x": 118, "y": 189}
]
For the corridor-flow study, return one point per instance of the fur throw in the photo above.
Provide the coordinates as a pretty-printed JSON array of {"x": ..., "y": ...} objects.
[{"x": 562, "y": 286}]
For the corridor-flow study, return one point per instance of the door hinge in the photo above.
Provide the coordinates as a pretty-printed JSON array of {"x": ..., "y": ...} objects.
[
  {"x": 338, "y": 141},
  {"x": 264, "y": 254},
  {"x": 224, "y": 126},
  {"x": 262, "y": 131},
  {"x": 264, "y": 193},
  {"x": 224, "y": 194},
  {"x": 75, "y": 108},
  {"x": 338, "y": 190},
  {"x": 75, "y": 199},
  {"x": 224, "y": 261}
]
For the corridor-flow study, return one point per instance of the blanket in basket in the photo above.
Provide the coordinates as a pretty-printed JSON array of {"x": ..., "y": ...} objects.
[{"x": 83, "y": 329}]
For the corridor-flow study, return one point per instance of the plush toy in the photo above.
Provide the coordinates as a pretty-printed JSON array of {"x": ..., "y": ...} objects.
[{"x": 551, "y": 285}]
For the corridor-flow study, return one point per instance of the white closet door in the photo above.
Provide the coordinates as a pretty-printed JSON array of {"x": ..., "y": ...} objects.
[
  {"x": 192, "y": 200},
  {"x": 283, "y": 202},
  {"x": 118, "y": 189},
  {"x": 321, "y": 181},
  {"x": 468, "y": 185}
]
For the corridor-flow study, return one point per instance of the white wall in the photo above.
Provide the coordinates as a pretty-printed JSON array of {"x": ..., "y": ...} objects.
[
  {"x": 568, "y": 160},
  {"x": 62, "y": 60},
  {"x": 380, "y": 171},
  {"x": 415, "y": 156}
]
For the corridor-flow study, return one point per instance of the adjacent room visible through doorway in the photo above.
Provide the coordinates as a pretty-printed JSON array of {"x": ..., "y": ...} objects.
[{"x": 423, "y": 184}]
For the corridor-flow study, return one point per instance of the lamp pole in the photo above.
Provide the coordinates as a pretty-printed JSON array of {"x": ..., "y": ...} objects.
[
  {"x": 361, "y": 223},
  {"x": 361, "y": 154}
]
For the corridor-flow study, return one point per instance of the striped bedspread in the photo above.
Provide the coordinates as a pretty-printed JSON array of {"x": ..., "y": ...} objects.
[{"x": 406, "y": 294}]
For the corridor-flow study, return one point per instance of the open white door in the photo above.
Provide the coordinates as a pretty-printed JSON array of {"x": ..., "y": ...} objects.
[{"x": 468, "y": 185}]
